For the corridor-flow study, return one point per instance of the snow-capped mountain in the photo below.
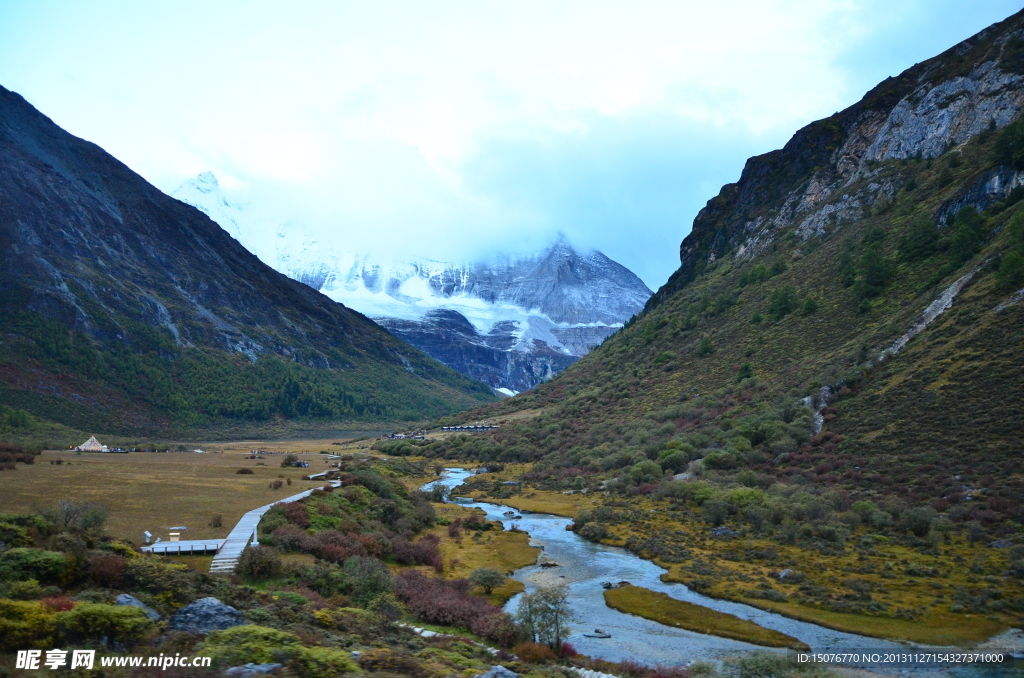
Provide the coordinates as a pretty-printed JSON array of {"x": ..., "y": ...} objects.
[{"x": 511, "y": 323}]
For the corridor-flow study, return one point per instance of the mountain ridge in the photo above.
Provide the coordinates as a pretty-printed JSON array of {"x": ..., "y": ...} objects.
[
  {"x": 532, "y": 315},
  {"x": 139, "y": 299}
]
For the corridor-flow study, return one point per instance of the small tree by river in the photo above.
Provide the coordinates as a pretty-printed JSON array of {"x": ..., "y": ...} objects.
[{"x": 545, "y": 615}]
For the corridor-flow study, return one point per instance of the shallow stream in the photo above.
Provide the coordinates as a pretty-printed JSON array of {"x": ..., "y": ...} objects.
[{"x": 584, "y": 565}]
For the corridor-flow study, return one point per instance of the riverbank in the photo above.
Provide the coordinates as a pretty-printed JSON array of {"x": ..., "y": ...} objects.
[
  {"x": 936, "y": 595},
  {"x": 582, "y": 566},
  {"x": 664, "y": 609}
]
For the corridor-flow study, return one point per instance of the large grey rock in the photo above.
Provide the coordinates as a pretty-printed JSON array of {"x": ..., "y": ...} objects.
[
  {"x": 251, "y": 670},
  {"x": 498, "y": 672},
  {"x": 132, "y": 601},
  {"x": 205, "y": 615}
]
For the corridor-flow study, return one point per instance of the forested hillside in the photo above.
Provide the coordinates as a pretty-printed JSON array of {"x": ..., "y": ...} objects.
[{"x": 127, "y": 311}]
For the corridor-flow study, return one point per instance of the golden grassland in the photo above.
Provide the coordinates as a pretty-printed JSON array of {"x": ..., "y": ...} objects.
[
  {"x": 664, "y": 609},
  {"x": 725, "y": 570},
  {"x": 157, "y": 491}
]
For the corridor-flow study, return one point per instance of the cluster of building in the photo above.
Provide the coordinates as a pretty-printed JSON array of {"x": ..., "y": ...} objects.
[
  {"x": 406, "y": 436},
  {"x": 454, "y": 429}
]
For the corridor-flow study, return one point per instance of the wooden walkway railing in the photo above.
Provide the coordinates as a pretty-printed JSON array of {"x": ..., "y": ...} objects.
[{"x": 245, "y": 531}]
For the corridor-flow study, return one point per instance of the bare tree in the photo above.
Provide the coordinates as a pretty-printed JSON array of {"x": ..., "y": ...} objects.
[{"x": 71, "y": 516}]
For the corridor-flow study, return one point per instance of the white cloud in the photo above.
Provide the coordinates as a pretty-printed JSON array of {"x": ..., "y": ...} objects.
[{"x": 365, "y": 119}]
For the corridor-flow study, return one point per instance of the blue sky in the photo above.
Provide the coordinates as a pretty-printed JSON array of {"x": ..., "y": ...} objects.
[{"x": 465, "y": 128}]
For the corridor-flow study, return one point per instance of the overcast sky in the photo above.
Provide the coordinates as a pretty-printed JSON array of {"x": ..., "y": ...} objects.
[{"x": 466, "y": 128}]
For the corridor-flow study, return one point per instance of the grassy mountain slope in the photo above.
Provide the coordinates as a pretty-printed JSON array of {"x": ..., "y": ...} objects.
[
  {"x": 801, "y": 277},
  {"x": 127, "y": 311}
]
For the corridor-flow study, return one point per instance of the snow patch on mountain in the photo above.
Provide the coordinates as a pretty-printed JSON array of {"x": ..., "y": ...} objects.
[{"x": 557, "y": 299}]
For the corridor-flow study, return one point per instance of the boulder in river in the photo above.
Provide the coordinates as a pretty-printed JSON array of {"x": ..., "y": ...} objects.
[{"x": 205, "y": 615}]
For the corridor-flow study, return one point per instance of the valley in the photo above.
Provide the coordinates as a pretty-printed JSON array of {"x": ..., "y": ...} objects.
[{"x": 807, "y": 438}]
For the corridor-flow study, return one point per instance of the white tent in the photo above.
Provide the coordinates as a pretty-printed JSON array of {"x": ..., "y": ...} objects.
[{"x": 92, "y": 445}]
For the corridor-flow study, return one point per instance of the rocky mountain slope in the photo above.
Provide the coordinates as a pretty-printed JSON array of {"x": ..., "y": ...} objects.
[
  {"x": 511, "y": 324},
  {"x": 832, "y": 373},
  {"x": 126, "y": 310}
]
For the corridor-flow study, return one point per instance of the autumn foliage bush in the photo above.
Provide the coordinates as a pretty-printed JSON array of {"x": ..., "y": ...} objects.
[
  {"x": 534, "y": 653},
  {"x": 107, "y": 571},
  {"x": 422, "y": 552},
  {"x": 445, "y": 602}
]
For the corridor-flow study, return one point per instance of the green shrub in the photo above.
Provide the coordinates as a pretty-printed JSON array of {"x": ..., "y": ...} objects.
[
  {"x": 782, "y": 302},
  {"x": 921, "y": 239},
  {"x": 675, "y": 461},
  {"x": 487, "y": 579},
  {"x": 367, "y": 578},
  {"x": 646, "y": 471},
  {"x": 810, "y": 306},
  {"x": 716, "y": 511},
  {"x": 259, "y": 562},
  {"x": 243, "y": 644},
  {"x": 28, "y": 589},
  {"x": 918, "y": 520},
  {"x": 321, "y": 662},
  {"x": 92, "y": 622},
  {"x": 47, "y": 567},
  {"x": 1011, "y": 269},
  {"x": 705, "y": 347},
  {"x": 25, "y": 625},
  {"x": 593, "y": 531},
  {"x": 1009, "y": 146},
  {"x": 14, "y": 535},
  {"x": 873, "y": 272},
  {"x": 156, "y": 576}
]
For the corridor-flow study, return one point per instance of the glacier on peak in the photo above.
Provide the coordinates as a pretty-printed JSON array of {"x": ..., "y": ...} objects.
[{"x": 511, "y": 321}]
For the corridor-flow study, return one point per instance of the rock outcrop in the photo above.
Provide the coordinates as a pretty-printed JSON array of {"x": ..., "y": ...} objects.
[
  {"x": 205, "y": 615},
  {"x": 936, "y": 105},
  {"x": 132, "y": 601}
]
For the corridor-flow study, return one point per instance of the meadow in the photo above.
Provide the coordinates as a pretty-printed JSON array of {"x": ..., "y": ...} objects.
[{"x": 157, "y": 491}]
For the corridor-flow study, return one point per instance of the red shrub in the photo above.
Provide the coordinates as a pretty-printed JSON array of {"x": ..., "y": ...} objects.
[
  {"x": 568, "y": 650},
  {"x": 336, "y": 546},
  {"x": 499, "y": 628},
  {"x": 534, "y": 653},
  {"x": 439, "y": 601},
  {"x": 297, "y": 514},
  {"x": 107, "y": 571},
  {"x": 375, "y": 544},
  {"x": 291, "y": 538},
  {"x": 57, "y": 603},
  {"x": 422, "y": 552}
]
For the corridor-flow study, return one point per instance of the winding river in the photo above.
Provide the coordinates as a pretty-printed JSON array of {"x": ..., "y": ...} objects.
[{"x": 584, "y": 565}]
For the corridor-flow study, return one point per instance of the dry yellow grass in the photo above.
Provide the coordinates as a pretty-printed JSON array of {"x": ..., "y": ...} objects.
[
  {"x": 503, "y": 551},
  {"x": 149, "y": 491},
  {"x": 664, "y": 609}
]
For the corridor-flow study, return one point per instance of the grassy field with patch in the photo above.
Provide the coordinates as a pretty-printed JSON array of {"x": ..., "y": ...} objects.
[
  {"x": 664, "y": 609},
  {"x": 157, "y": 491},
  {"x": 504, "y": 551},
  {"x": 745, "y": 568}
]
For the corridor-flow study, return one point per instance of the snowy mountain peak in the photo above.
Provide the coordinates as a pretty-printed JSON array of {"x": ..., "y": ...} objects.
[{"x": 548, "y": 308}]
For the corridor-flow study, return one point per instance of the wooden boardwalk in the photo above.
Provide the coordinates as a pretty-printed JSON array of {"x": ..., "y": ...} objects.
[
  {"x": 185, "y": 548},
  {"x": 245, "y": 531}
]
